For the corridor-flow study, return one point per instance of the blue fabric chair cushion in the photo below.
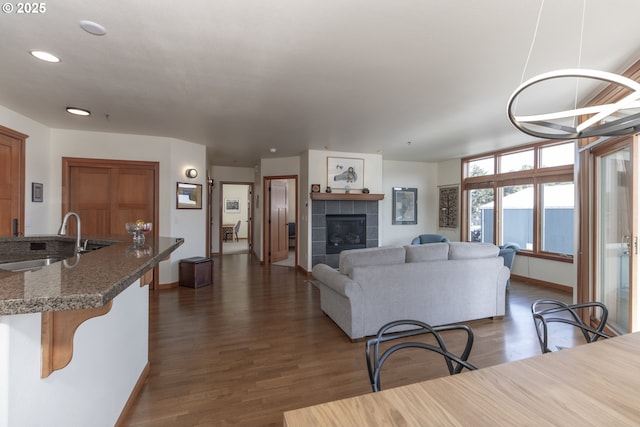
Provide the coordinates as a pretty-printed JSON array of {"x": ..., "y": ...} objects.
[{"x": 429, "y": 238}]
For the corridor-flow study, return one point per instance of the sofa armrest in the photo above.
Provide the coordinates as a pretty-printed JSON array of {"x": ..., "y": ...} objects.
[{"x": 335, "y": 280}]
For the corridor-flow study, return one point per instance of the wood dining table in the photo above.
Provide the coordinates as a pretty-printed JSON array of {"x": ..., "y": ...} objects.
[{"x": 594, "y": 384}]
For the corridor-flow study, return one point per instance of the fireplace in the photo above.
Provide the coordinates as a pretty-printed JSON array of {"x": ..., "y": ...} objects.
[
  {"x": 327, "y": 208},
  {"x": 346, "y": 232}
]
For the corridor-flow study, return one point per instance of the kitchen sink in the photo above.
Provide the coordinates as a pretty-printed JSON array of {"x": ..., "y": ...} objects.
[{"x": 28, "y": 265}]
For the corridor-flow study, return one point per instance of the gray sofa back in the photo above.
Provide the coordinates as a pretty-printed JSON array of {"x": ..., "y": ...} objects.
[
  {"x": 384, "y": 255},
  {"x": 436, "y": 292},
  {"x": 427, "y": 252},
  {"x": 437, "y": 283}
]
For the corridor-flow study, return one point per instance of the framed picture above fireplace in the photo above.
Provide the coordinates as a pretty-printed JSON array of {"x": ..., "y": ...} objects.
[
  {"x": 405, "y": 205},
  {"x": 344, "y": 173}
]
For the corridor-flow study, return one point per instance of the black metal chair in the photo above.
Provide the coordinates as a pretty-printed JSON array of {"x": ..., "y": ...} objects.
[
  {"x": 375, "y": 359},
  {"x": 235, "y": 230},
  {"x": 546, "y": 311}
]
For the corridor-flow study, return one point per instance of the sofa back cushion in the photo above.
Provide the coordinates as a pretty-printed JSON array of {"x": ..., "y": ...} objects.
[
  {"x": 468, "y": 250},
  {"x": 384, "y": 255},
  {"x": 427, "y": 252}
]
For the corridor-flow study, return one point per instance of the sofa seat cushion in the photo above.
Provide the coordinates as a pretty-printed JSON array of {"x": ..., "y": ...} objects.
[
  {"x": 468, "y": 250},
  {"x": 427, "y": 252},
  {"x": 384, "y": 255}
]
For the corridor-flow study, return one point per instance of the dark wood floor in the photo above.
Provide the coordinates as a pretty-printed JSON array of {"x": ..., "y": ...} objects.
[{"x": 256, "y": 344}]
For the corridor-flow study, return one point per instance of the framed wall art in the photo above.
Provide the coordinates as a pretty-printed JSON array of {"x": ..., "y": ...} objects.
[
  {"x": 188, "y": 196},
  {"x": 231, "y": 205},
  {"x": 448, "y": 207},
  {"x": 344, "y": 173},
  {"x": 405, "y": 205}
]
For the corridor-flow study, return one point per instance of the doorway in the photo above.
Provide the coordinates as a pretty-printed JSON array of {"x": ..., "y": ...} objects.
[
  {"x": 281, "y": 224},
  {"x": 236, "y": 221}
]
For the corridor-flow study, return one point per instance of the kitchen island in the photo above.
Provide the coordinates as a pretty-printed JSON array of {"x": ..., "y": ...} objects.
[{"x": 92, "y": 310}]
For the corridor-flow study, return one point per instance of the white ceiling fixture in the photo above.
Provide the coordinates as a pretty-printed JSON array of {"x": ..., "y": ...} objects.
[
  {"x": 45, "y": 56},
  {"x": 606, "y": 120},
  {"x": 78, "y": 111},
  {"x": 93, "y": 28}
]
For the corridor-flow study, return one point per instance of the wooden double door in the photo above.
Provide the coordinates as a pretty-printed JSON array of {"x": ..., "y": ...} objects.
[{"x": 109, "y": 193}]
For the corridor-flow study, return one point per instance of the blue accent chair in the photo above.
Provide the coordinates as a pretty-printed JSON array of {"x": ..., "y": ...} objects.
[
  {"x": 429, "y": 238},
  {"x": 508, "y": 253}
]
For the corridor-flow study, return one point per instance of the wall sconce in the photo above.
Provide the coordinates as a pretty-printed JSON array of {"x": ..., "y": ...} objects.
[{"x": 191, "y": 173}]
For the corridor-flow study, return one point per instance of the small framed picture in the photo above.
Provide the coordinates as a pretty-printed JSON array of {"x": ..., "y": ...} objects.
[
  {"x": 37, "y": 192},
  {"x": 405, "y": 205},
  {"x": 189, "y": 196},
  {"x": 231, "y": 205},
  {"x": 345, "y": 173},
  {"x": 315, "y": 188}
]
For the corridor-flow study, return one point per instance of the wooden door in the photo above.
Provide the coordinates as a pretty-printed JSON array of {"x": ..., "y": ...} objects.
[
  {"x": 90, "y": 198},
  {"x": 278, "y": 227},
  {"x": 109, "y": 193},
  {"x": 11, "y": 182},
  {"x": 132, "y": 198}
]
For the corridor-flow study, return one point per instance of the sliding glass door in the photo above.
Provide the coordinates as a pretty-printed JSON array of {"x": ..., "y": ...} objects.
[{"x": 614, "y": 236}]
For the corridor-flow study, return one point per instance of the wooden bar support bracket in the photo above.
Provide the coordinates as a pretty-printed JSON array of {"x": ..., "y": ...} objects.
[{"x": 58, "y": 329}]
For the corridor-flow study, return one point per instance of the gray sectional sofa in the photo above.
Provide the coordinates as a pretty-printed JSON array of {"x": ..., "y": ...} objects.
[{"x": 437, "y": 283}]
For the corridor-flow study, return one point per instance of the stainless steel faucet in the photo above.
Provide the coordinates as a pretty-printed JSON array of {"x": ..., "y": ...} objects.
[{"x": 63, "y": 228}]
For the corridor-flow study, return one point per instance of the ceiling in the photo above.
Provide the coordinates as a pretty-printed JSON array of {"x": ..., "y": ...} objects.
[{"x": 422, "y": 80}]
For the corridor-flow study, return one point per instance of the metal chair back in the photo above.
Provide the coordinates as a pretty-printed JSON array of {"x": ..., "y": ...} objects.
[
  {"x": 376, "y": 358},
  {"x": 547, "y": 311}
]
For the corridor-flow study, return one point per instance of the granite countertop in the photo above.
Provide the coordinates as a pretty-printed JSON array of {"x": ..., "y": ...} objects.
[{"x": 95, "y": 279}]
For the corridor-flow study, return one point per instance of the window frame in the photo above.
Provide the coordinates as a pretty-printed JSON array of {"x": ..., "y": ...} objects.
[{"x": 537, "y": 177}]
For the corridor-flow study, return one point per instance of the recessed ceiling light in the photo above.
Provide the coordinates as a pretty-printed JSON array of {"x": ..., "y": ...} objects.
[
  {"x": 78, "y": 111},
  {"x": 93, "y": 28},
  {"x": 273, "y": 150},
  {"x": 45, "y": 56}
]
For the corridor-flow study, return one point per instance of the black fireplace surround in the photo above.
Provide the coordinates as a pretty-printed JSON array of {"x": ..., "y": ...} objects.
[
  {"x": 322, "y": 209},
  {"x": 346, "y": 232}
]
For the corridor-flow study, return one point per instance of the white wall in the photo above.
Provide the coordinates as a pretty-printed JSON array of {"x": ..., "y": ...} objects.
[
  {"x": 422, "y": 176},
  {"x": 38, "y": 169}
]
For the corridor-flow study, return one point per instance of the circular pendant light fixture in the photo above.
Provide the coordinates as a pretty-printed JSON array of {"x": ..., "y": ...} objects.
[{"x": 605, "y": 120}]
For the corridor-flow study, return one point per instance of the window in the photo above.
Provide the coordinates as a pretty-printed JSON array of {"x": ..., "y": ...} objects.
[
  {"x": 481, "y": 167},
  {"x": 523, "y": 196},
  {"x": 481, "y": 215},
  {"x": 557, "y": 155},
  {"x": 516, "y": 161},
  {"x": 517, "y": 215},
  {"x": 557, "y": 206}
]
